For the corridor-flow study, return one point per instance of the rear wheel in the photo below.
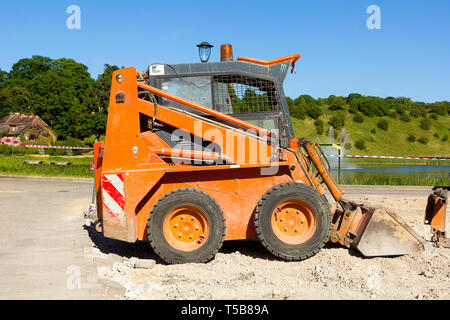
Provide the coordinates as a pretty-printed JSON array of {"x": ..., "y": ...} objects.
[
  {"x": 186, "y": 225},
  {"x": 293, "y": 221}
]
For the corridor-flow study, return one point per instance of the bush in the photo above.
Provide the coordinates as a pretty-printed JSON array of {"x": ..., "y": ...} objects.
[
  {"x": 358, "y": 118},
  {"x": 295, "y": 111},
  {"x": 393, "y": 114},
  {"x": 411, "y": 138},
  {"x": 90, "y": 140},
  {"x": 353, "y": 108},
  {"x": 434, "y": 116},
  {"x": 425, "y": 123},
  {"x": 337, "y": 122},
  {"x": 445, "y": 138},
  {"x": 406, "y": 118},
  {"x": 318, "y": 124},
  {"x": 436, "y": 135},
  {"x": 314, "y": 111},
  {"x": 423, "y": 140},
  {"x": 337, "y": 104},
  {"x": 373, "y": 106},
  {"x": 373, "y": 131},
  {"x": 5, "y": 149},
  {"x": 360, "y": 144},
  {"x": 415, "y": 113},
  {"x": 383, "y": 124}
]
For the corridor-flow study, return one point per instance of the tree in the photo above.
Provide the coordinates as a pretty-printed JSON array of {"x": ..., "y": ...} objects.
[
  {"x": 308, "y": 99},
  {"x": 337, "y": 122},
  {"x": 102, "y": 89},
  {"x": 290, "y": 103},
  {"x": 298, "y": 112},
  {"x": 314, "y": 111},
  {"x": 29, "y": 68},
  {"x": 353, "y": 96},
  {"x": 393, "y": 114},
  {"x": 405, "y": 117},
  {"x": 3, "y": 77},
  {"x": 358, "y": 118},
  {"x": 440, "y": 108},
  {"x": 360, "y": 144},
  {"x": 15, "y": 99},
  {"x": 318, "y": 124},
  {"x": 336, "y": 103},
  {"x": 425, "y": 123},
  {"x": 423, "y": 140},
  {"x": 299, "y": 101},
  {"x": 383, "y": 124},
  {"x": 63, "y": 96},
  {"x": 411, "y": 138},
  {"x": 373, "y": 106},
  {"x": 415, "y": 113}
]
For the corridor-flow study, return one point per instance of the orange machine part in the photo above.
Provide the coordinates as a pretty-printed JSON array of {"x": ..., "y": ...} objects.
[
  {"x": 294, "y": 221},
  {"x": 139, "y": 159},
  {"x": 436, "y": 216},
  {"x": 186, "y": 228},
  {"x": 226, "y": 52},
  {"x": 98, "y": 159},
  {"x": 293, "y": 58}
]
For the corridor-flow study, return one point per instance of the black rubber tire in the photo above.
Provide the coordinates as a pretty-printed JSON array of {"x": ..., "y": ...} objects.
[
  {"x": 172, "y": 200},
  {"x": 263, "y": 214}
]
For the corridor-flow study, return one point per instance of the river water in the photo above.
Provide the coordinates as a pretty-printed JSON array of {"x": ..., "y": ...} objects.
[{"x": 363, "y": 171}]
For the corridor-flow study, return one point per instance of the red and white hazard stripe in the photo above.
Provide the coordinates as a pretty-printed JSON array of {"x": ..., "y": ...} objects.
[
  {"x": 12, "y": 142},
  {"x": 113, "y": 194},
  {"x": 54, "y": 147},
  {"x": 19, "y": 143}
]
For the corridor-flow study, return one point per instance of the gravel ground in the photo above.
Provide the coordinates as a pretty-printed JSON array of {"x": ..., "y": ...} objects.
[{"x": 244, "y": 270}]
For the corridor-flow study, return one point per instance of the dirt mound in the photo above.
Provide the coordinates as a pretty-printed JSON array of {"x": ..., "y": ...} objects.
[{"x": 244, "y": 270}]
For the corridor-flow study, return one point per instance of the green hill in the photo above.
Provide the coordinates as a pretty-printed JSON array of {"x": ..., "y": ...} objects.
[{"x": 413, "y": 129}]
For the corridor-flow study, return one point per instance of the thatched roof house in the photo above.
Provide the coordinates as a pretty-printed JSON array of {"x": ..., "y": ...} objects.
[{"x": 31, "y": 127}]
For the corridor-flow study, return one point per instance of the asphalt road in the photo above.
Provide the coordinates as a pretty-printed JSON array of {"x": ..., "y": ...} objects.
[
  {"x": 44, "y": 252},
  {"x": 43, "y": 240}
]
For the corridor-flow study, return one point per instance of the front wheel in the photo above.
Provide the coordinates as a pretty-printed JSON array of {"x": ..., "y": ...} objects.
[{"x": 293, "y": 221}]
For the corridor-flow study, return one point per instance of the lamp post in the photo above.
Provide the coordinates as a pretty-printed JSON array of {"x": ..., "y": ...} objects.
[{"x": 204, "y": 51}]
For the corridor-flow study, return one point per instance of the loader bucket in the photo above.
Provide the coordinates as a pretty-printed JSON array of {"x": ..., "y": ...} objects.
[
  {"x": 385, "y": 233},
  {"x": 375, "y": 231}
]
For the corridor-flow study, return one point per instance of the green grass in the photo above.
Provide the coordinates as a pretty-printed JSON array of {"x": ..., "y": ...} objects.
[
  {"x": 398, "y": 181},
  {"x": 381, "y": 161},
  {"x": 392, "y": 142},
  {"x": 14, "y": 165}
]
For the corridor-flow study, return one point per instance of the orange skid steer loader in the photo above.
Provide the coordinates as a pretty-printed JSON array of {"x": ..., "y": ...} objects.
[{"x": 199, "y": 153}]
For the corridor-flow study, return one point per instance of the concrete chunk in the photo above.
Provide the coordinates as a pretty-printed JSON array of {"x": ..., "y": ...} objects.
[{"x": 144, "y": 263}]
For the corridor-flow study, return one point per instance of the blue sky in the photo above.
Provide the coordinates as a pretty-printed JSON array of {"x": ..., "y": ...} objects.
[{"x": 409, "y": 56}]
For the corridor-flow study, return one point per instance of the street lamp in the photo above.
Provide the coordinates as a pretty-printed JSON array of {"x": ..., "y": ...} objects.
[{"x": 204, "y": 51}]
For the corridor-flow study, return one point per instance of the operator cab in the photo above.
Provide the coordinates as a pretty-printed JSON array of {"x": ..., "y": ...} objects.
[{"x": 248, "y": 89}]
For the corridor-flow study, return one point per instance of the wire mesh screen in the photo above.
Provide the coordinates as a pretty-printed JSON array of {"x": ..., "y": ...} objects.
[{"x": 242, "y": 94}]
